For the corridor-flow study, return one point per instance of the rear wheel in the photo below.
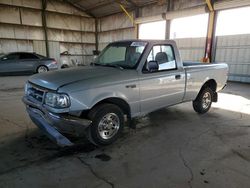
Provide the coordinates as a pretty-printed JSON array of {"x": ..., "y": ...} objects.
[
  {"x": 107, "y": 124},
  {"x": 42, "y": 69},
  {"x": 203, "y": 102},
  {"x": 64, "y": 66}
]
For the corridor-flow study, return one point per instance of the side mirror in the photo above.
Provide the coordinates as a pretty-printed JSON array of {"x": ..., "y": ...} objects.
[{"x": 153, "y": 66}]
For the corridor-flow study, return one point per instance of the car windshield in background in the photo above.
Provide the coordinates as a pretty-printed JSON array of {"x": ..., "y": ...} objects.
[{"x": 121, "y": 54}]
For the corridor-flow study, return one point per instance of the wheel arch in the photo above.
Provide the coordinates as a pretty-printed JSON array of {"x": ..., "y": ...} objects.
[
  {"x": 212, "y": 84},
  {"x": 121, "y": 103}
]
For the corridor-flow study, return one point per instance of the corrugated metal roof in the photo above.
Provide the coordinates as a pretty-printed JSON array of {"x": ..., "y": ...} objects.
[{"x": 100, "y": 8}]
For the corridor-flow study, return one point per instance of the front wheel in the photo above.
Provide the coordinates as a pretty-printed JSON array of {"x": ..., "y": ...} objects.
[
  {"x": 107, "y": 124},
  {"x": 203, "y": 102}
]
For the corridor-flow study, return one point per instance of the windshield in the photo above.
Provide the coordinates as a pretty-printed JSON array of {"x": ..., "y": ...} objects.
[{"x": 122, "y": 54}]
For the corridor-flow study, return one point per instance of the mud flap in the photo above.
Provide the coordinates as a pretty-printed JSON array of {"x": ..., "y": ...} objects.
[{"x": 215, "y": 97}]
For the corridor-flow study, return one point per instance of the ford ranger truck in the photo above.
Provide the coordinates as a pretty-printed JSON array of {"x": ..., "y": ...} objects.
[{"x": 128, "y": 79}]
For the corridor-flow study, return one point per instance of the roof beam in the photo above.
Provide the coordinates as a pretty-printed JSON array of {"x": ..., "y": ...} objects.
[
  {"x": 210, "y": 32},
  {"x": 99, "y": 5},
  {"x": 132, "y": 3},
  {"x": 79, "y": 7},
  {"x": 129, "y": 4},
  {"x": 108, "y": 2}
]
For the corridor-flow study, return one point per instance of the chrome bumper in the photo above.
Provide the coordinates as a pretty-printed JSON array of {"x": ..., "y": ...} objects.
[{"x": 53, "y": 125}]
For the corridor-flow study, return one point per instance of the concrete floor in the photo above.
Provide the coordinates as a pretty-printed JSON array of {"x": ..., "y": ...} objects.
[{"x": 173, "y": 147}]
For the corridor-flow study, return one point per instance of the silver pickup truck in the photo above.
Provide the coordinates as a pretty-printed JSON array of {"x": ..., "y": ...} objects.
[{"x": 128, "y": 79}]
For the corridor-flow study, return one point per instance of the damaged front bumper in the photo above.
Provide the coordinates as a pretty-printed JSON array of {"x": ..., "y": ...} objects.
[{"x": 54, "y": 125}]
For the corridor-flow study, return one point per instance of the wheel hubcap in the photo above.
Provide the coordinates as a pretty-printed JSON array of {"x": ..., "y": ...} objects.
[
  {"x": 42, "y": 69},
  {"x": 206, "y": 100},
  {"x": 109, "y": 126}
]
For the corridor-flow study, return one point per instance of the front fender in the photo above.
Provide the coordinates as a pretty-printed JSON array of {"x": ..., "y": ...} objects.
[
  {"x": 86, "y": 99},
  {"x": 107, "y": 95}
]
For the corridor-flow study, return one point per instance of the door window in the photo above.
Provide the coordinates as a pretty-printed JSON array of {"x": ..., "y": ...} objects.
[
  {"x": 164, "y": 56},
  {"x": 28, "y": 56},
  {"x": 11, "y": 57}
]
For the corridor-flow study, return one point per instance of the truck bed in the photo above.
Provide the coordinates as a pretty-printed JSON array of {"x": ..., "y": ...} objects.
[
  {"x": 198, "y": 73},
  {"x": 189, "y": 63}
]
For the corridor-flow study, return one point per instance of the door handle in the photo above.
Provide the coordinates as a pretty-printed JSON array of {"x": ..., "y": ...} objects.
[
  {"x": 131, "y": 86},
  {"x": 178, "y": 77}
]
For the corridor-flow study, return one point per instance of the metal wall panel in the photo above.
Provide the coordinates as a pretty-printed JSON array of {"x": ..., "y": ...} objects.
[
  {"x": 77, "y": 49},
  {"x": 113, "y": 28},
  {"x": 111, "y": 36},
  {"x": 63, "y": 7},
  {"x": 88, "y": 24},
  {"x": 235, "y": 51},
  {"x": 77, "y": 53},
  {"x": 106, "y": 9},
  {"x": 88, "y": 37},
  {"x": 39, "y": 47},
  {"x": 6, "y": 31},
  {"x": 106, "y": 37},
  {"x": 117, "y": 21},
  {"x": 74, "y": 60},
  {"x": 61, "y": 35},
  {"x": 186, "y": 12},
  {"x": 35, "y": 33},
  {"x": 227, "y": 4},
  {"x": 21, "y": 32},
  {"x": 54, "y": 50},
  {"x": 184, "y": 4},
  {"x": 71, "y": 36},
  {"x": 31, "y": 17},
  {"x": 61, "y": 21},
  {"x": 153, "y": 10},
  {"x": 25, "y": 3},
  {"x": 191, "y": 49},
  {"x": 9, "y": 15},
  {"x": 148, "y": 19},
  {"x": 7, "y": 46}
]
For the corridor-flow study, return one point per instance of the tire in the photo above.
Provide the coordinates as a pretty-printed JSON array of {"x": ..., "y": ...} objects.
[
  {"x": 64, "y": 66},
  {"x": 41, "y": 69},
  {"x": 203, "y": 102},
  {"x": 107, "y": 124}
]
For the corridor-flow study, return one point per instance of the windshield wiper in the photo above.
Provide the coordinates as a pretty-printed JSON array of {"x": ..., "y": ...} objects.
[
  {"x": 108, "y": 65},
  {"x": 114, "y": 65}
]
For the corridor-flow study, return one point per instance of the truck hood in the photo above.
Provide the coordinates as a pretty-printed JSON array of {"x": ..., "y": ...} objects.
[{"x": 55, "y": 79}]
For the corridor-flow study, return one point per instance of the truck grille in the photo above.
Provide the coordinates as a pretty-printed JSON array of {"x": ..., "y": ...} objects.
[{"x": 36, "y": 93}]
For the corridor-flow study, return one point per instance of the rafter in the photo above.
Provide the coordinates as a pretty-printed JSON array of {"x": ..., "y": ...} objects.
[
  {"x": 132, "y": 3},
  {"x": 99, "y": 5},
  {"x": 79, "y": 7},
  {"x": 128, "y": 4}
]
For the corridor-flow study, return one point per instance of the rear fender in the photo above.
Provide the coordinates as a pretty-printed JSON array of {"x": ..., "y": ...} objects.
[{"x": 211, "y": 83}]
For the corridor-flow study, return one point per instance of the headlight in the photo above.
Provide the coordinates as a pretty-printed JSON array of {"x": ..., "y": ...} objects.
[
  {"x": 26, "y": 88},
  {"x": 57, "y": 100}
]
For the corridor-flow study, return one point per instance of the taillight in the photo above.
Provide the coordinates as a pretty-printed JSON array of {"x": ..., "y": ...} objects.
[{"x": 54, "y": 62}]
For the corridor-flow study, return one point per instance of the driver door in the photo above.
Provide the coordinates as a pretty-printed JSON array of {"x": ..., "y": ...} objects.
[
  {"x": 9, "y": 63},
  {"x": 165, "y": 86}
]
